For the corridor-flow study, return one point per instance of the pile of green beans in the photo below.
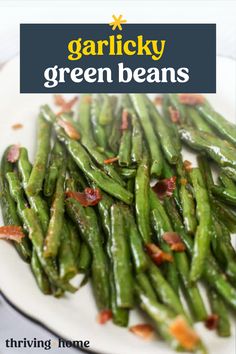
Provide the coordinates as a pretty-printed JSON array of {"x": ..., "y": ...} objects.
[{"x": 129, "y": 151}]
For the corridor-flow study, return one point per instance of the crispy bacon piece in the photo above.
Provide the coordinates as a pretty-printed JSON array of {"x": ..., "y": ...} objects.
[
  {"x": 69, "y": 129},
  {"x": 158, "y": 256},
  {"x": 89, "y": 197},
  {"x": 191, "y": 99},
  {"x": 187, "y": 165},
  {"x": 158, "y": 100},
  {"x": 165, "y": 187},
  {"x": 66, "y": 106},
  {"x": 174, "y": 115},
  {"x": 11, "y": 232},
  {"x": 143, "y": 330},
  {"x": 186, "y": 336},
  {"x": 212, "y": 321},
  {"x": 59, "y": 100},
  {"x": 104, "y": 316},
  {"x": 13, "y": 153},
  {"x": 111, "y": 160},
  {"x": 17, "y": 126},
  {"x": 175, "y": 242},
  {"x": 124, "y": 120}
]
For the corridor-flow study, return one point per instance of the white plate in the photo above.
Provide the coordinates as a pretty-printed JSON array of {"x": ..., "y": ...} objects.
[{"x": 74, "y": 316}]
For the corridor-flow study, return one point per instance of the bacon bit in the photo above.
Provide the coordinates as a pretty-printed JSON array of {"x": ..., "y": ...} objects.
[
  {"x": 67, "y": 105},
  {"x": 89, "y": 197},
  {"x": 10, "y": 232},
  {"x": 17, "y": 126},
  {"x": 59, "y": 100},
  {"x": 158, "y": 256},
  {"x": 69, "y": 129},
  {"x": 187, "y": 165},
  {"x": 191, "y": 99},
  {"x": 185, "y": 335},
  {"x": 165, "y": 187},
  {"x": 124, "y": 120},
  {"x": 212, "y": 321},
  {"x": 104, "y": 316},
  {"x": 13, "y": 153},
  {"x": 143, "y": 330},
  {"x": 111, "y": 160},
  {"x": 183, "y": 181},
  {"x": 175, "y": 242},
  {"x": 158, "y": 100},
  {"x": 174, "y": 115}
]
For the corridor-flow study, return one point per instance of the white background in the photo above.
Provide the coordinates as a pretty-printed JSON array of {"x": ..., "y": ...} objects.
[{"x": 12, "y": 13}]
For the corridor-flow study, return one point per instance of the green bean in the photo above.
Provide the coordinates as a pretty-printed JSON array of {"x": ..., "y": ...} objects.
[
  {"x": 227, "y": 195},
  {"x": 212, "y": 273},
  {"x": 172, "y": 127},
  {"x": 18, "y": 196},
  {"x": 86, "y": 221},
  {"x": 16, "y": 193},
  {"x": 8, "y": 206},
  {"x": 197, "y": 120},
  {"x": 162, "y": 224},
  {"x": 135, "y": 240},
  {"x": 174, "y": 101},
  {"x": 39, "y": 274},
  {"x": 120, "y": 316},
  {"x": 228, "y": 252},
  {"x": 74, "y": 172},
  {"x": 187, "y": 201},
  {"x": 85, "y": 163},
  {"x": 98, "y": 129},
  {"x": 98, "y": 176},
  {"x": 125, "y": 149},
  {"x": 170, "y": 150},
  {"x": 53, "y": 238},
  {"x": 75, "y": 241},
  {"x": 230, "y": 172},
  {"x": 83, "y": 117},
  {"x": 127, "y": 173},
  {"x": 37, "y": 203},
  {"x": 163, "y": 290},
  {"x": 163, "y": 317},
  {"x": 114, "y": 138},
  {"x": 94, "y": 151},
  {"x": 85, "y": 259},
  {"x": 121, "y": 259},
  {"x": 56, "y": 157},
  {"x": 105, "y": 115},
  {"x": 104, "y": 211},
  {"x": 160, "y": 314},
  {"x": 212, "y": 145},
  {"x": 139, "y": 103},
  {"x": 141, "y": 200},
  {"x": 137, "y": 140},
  {"x": 204, "y": 229},
  {"x": 227, "y": 129},
  {"x": 37, "y": 175},
  {"x": 145, "y": 284},
  {"x": 37, "y": 238},
  {"x": 225, "y": 214},
  {"x": 218, "y": 308},
  {"x": 226, "y": 181},
  {"x": 66, "y": 260}
]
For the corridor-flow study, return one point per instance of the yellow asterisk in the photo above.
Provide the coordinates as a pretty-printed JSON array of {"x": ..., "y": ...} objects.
[{"x": 117, "y": 22}]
